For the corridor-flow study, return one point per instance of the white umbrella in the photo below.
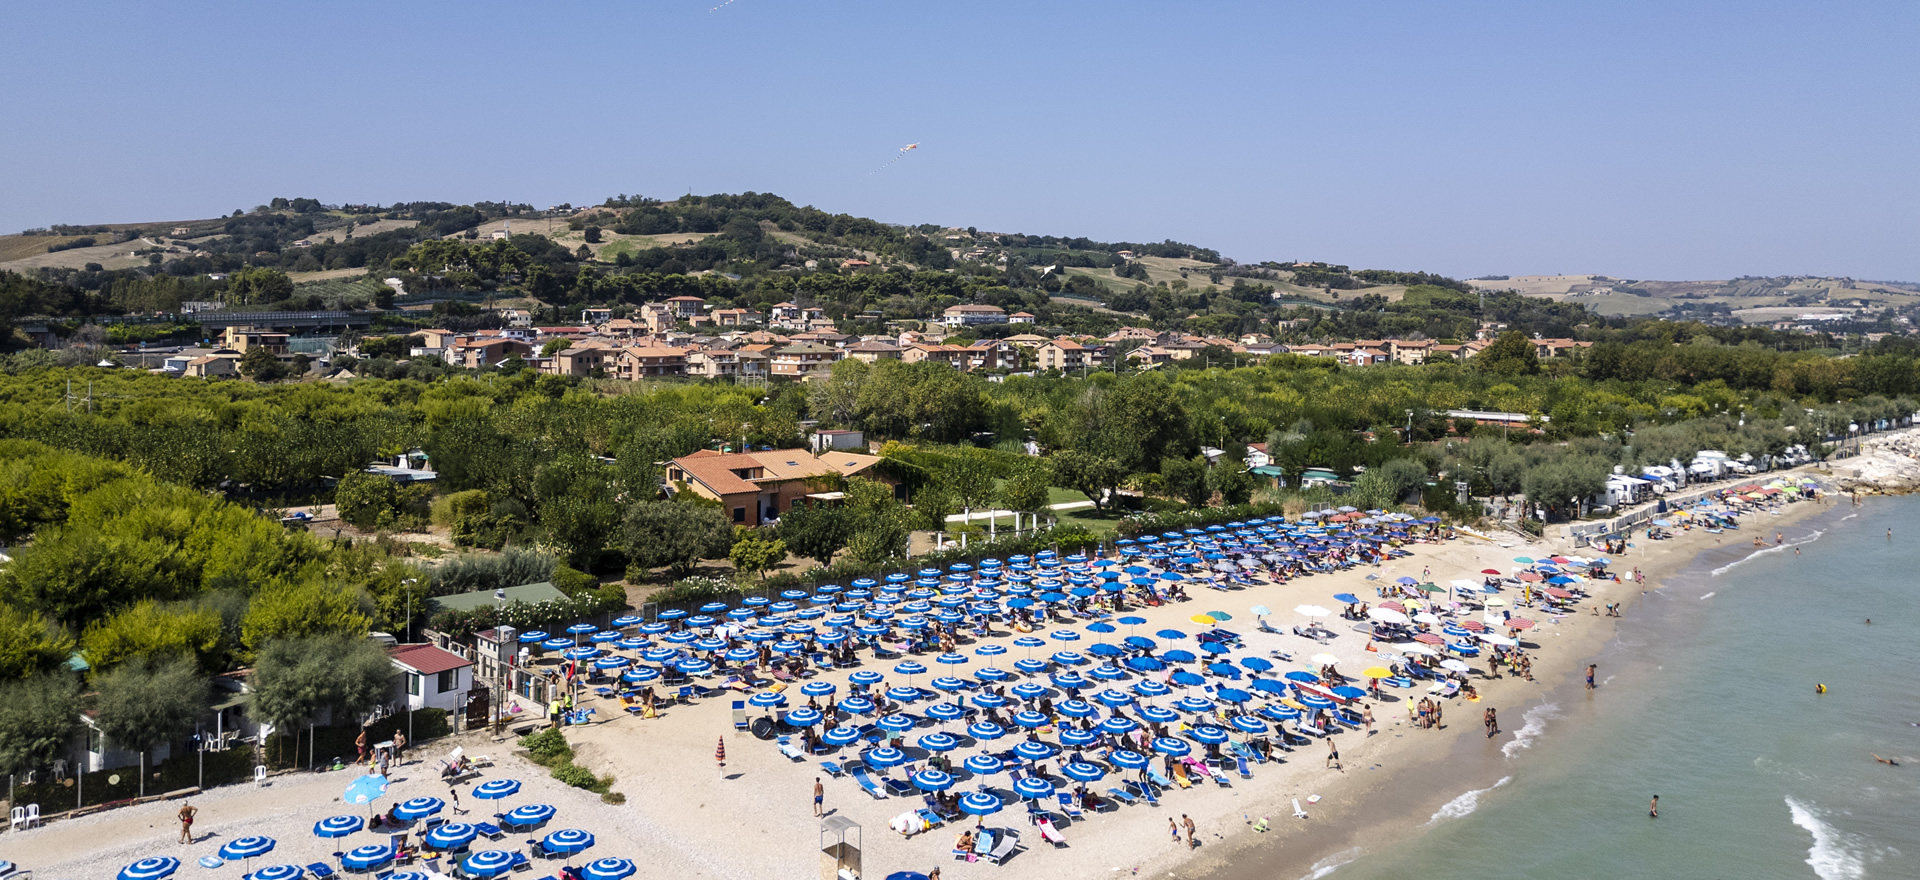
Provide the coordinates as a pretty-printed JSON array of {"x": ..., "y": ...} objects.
[
  {"x": 1465, "y": 585},
  {"x": 1425, "y": 617},
  {"x": 1386, "y": 615},
  {"x": 1311, "y": 611},
  {"x": 1416, "y": 648},
  {"x": 1324, "y": 659},
  {"x": 1495, "y": 602},
  {"x": 1455, "y": 665},
  {"x": 1501, "y": 641}
]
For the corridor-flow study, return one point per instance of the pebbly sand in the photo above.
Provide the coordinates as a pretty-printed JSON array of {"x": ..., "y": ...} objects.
[{"x": 684, "y": 817}]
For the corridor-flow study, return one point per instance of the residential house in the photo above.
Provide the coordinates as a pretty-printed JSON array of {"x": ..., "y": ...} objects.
[
  {"x": 595, "y": 317},
  {"x": 1061, "y": 354},
  {"x": 992, "y": 354},
  {"x": 431, "y": 677},
  {"x": 212, "y": 366},
  {"x": 625, "y": 328},
  {"x": 874, "y": 350},
  {"x": 955, "y": 356},
  {"x": 737, "y": 318},
  {"x": 969, "y": 314},
  {"x": 659, "y": 317},
  {"x": 1548, "y": 348},
  {"x": 1029, "y": 341},
  {"x": 686, "y": 306},
  {"x": 755, "y": 487},
  {"x": 481, "y": 352},
  {"x": 649, "y": 361},
  {"x": 588, "y": 357},
  {"x": 517, "y": 317},
  {"x": 1150, "y": 355},
  {"x": 1020, "y": 318},
  {"x": 829, "y": 439},
  {"x": 783, "y": 314},
  {"x": 800, "y": 360},
  {"x": 1130, "y": 333},
  {"x": 245, "y": 339},
  {"x": 1365, "y": 357},
  {"x": 1410, "y": 352}
]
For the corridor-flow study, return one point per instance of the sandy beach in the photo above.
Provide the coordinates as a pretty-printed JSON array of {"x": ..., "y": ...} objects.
[{"x": 686, "y": 818}]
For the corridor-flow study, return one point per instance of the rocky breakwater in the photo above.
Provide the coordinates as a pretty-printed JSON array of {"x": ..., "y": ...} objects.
[{"x": 1888, "y": 463}]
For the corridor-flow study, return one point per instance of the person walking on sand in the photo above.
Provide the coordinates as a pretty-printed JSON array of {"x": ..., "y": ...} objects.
[
  {"x": 1493, "y": 722},
  {"x": 1188, "y": 822},
  {"x": 1174, "y": 827},
  {"x": 187, "y": 812},
  {"x": 1590, "y": 668},
  {"x": 1333, "y": 754},
  {"x": 1366, "y": 718},
  {"x": 819, "y": 795}
]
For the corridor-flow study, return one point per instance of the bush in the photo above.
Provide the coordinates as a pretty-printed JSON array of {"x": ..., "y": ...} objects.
[
  {"x": 576, "y": 776},
  {"x": 491, "y": 571},
  {"x": 573, "y": 582}
]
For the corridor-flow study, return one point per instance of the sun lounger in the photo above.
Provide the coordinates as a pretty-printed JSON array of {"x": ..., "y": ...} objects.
[
  {"x": 1240, "y": 764},
  {"x": 489, "y": 830},
  {"x": 832, "y": 769},
  {"x": 318, "y": 869},
  {"x": 866, "y": 783},
  {"x": 1144, "y": 792},
  {"x": 792, "y": 751},
  {"x": 1297, "y": 812},
  {"x": 739, "y": 714},
  {"x": 1122, "y": 796},
  {"x": 1004, "y": 847},
  {"x": 1196, "y": 766},
  {"x": 1180, "y": 776},
  {"x": 1068, "y": 805},
  {"x": 982, "y": 845},
  {"x": 1158, "y": 779},
  {"x": 895, "y": 786},
  {"x": 1049, "y": 833}
]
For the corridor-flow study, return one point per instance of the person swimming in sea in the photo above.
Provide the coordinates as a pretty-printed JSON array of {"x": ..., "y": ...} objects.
[
  {"x": 1653, "y": 809},
  {"x": 1887, "y": 761}
]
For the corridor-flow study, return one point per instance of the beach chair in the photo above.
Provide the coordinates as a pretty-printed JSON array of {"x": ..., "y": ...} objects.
[
  {"x": 1049, "y": 833},
  {"x": 1158, "y": 779},
  {"x": 930, "y": 810},
  {"x": 489, "y": 830},
  {"x": 1004, "y": 847},
  {"x": 1143, "y": 792},
  {"x": 522, "y": 863},
  {"x": 833, "y": 769},
  {"x": 1068, "y": 806},
  {"x": 1240, "y": 764},
  {"x": 792, "y": 751},
  {"x": 685, "y": 694},
  {"x": 1122, "y": 796},
  {"x": 740, "y": 715},
  {"x": 866, "y": 783},
  {"x": 320, "y": 870},
  {"x": 896, "y": 787}
]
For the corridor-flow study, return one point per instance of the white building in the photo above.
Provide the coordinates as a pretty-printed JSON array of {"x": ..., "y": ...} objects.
[{"x": 431, "y": 678}]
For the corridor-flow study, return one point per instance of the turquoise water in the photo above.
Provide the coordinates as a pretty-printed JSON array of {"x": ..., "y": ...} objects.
[{"x": 1707, "y": 699}]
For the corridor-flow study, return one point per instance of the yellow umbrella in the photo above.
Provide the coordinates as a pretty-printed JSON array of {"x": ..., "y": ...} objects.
[
  {"x": 1496, "y": 603},
  {"x": 1377, "y": 672},
  {"x": 1202, "y": 618}
]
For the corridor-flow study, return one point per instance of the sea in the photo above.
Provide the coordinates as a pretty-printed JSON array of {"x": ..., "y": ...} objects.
[{"x": 1708, "y": 698}]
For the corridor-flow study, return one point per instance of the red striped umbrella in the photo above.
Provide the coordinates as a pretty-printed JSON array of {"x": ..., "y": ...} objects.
[
  {"x": 1429, "y": 638},
  {"x": 1394, "y": 606},
  {"x": 1489, "y": 571},
  {"x": 1530, "y": 576},
  {"x": 1473, "y": 625},
  {"x": 1519, "y": 623},
  {"x": 1558, "y": 593}
]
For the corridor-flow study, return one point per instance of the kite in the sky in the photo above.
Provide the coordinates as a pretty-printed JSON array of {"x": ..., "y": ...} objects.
[{"x": 897, "y": 157}]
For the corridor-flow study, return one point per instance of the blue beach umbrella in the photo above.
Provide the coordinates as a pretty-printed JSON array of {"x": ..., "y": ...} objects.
[
  {"x": 990, "y": 673},
  {"x": 418, "y": 808},
  {"x": 945, "y": 712},
  {"x": 979, "y": 803},
  {"x": 1127, "y": 759},
  {"x": 1031, "y": 719},
  {"x": 1028, "y": 690},
  {"x": 1119, "y": 726},
  {"x": 488, "y": 863},
  {"x": 989, "y": 701},
  {"x": 939, "y": 742},
  {"x": 985, "y": 730},
  {"x": 362, "y": 858},
  {"x": 884, "y": 756},
  {"x": 931, "y": 780},
  {"x": 1159, "y": 714},
  {"x": 1075, "y": 737},
  {"x": 805, "y": 717},
  {"x": 1167, "y": 745},
  {"x": 1076, "y": 709},
  {"x": 607, "y": 869},
  {"x": 452, "y": 835},
  {"x": 1033, "y": 788},
  {"x": 527, "y": 815},
  {"x": 250, "y": 847},
  {"x": 366, "y": 789},
  {"x": 1081, "y": 771},
  {"x": 1033, "y": 750},
  {"x": 567, "y": 841},
  {"x": 841, "y": 736},
  {"x": 896, "y": 722},
  {"x": 293, "y": 872},
  {"x": 153, "y": 868},
  {"x": 983, "y": 765},
  {"x": 338, "y": 826},
  {"x": 1209, "y": 734}
]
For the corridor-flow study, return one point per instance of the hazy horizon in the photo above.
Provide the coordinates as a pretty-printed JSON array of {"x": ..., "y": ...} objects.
[{"x": 1638, "y": 140}]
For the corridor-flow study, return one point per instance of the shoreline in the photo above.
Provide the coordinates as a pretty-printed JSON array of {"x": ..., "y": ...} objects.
[
  {"x": 694, "y": 822},
  {"x": 1430, "y": 781}
]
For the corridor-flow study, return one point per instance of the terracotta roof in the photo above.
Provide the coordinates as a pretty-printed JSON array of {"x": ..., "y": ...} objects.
[
  {"x": 715, "y": 470},
  {"x": 426, "y": 659}
]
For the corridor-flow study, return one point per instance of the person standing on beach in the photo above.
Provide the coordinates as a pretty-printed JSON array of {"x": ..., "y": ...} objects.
[
  {"x": 1188, "y": 821},
  {"x": 819, "y": 795},
  {"x": 360, "y": 743},
  {"x": 187, "y": 812},
  {"x": 1366, "y": 717},
  {"x": 1493, "y": 722},
  {"x": 399, "y": 746},
  {"x": 1174, "y": 827},
  {"x": 1590, "y": 668},
  {"x": 1333, "y": 754}
]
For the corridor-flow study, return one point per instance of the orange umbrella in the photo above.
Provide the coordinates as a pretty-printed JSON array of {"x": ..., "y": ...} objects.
[{"x": 720, "y": 752}]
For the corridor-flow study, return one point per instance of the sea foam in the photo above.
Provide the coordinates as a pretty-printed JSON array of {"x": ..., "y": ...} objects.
[
  {"x": 1465, "y": 803},
  {"x": 1536, "y": 724},
  {"x": 1830, "y": 856},
  {"x": 1777, "y": 548},
  {"x": 1327, "y": 865}
]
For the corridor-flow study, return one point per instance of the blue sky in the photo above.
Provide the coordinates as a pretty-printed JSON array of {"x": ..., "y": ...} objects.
[{"x": 1638, "y": 139}]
